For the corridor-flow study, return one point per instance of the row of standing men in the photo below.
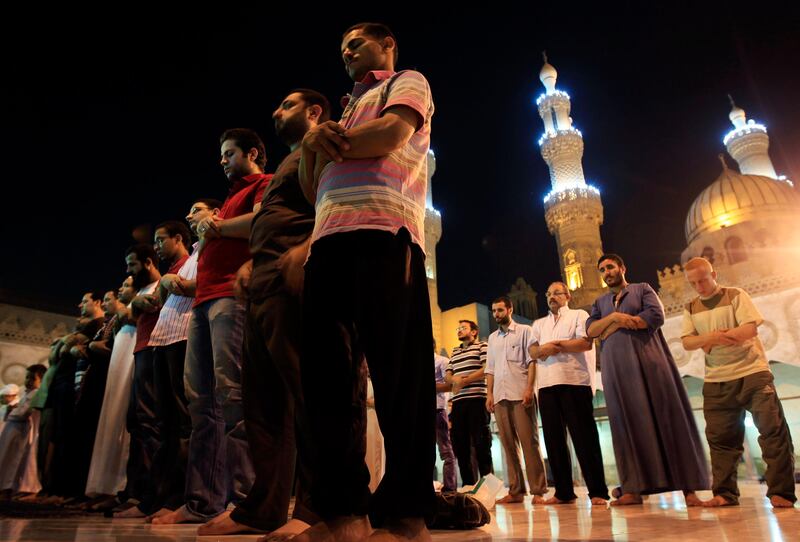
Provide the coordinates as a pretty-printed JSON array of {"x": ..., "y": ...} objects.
[{"x": 655, "y": 438}]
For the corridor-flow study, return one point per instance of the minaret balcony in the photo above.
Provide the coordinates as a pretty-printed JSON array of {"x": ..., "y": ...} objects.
[
  {"x": 750, "y": 128},
  {"x": 566, "y": 134}
]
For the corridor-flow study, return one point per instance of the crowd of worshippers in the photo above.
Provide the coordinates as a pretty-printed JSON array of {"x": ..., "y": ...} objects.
[{"x": 286, "y": 351}]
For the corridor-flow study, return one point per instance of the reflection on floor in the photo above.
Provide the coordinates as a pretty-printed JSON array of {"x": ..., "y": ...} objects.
[{"x": 662, "y": 517}]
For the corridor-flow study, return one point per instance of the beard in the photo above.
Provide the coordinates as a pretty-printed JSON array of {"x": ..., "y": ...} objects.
[
  {"x": 292, "y": 130},
  {"x": 141, "y": 279}
]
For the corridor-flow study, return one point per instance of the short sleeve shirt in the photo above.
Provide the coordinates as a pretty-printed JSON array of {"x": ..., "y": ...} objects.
[
  {"x": 508, "y": 360},
  {"x": 439, "y": 369},
  {"x": 465, "y": 361},
  {"x": 221, "y": 258},
  {"x": 571, "y": 368},
  {"x": 727, "y": 309},
  {"x": 388, "y": 192}
]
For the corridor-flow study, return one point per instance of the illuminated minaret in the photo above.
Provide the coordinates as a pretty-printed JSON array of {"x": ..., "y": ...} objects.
[
  {"x": 573, "y": 209},
  {"x": 433, "y": 232},
  {"x": 748, "y": 143}
]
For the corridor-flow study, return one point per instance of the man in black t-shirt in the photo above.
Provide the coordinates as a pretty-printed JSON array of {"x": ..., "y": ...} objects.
[{"x": 271, "y": 283}]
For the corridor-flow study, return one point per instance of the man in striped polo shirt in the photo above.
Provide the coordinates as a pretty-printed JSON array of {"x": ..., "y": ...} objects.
[
  {"x": 469, "y": 418},
  {"x": 366, "y": 293},
  {"x": 724, "y": 322}
]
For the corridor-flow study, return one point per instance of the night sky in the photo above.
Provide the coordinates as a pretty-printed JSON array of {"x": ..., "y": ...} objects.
[{"x": 108, "y": 125}]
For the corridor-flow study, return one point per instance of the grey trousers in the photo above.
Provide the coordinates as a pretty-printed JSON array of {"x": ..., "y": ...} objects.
[
  {"x": 724, "y": 405},
  {"x": 517, "y": 426}
]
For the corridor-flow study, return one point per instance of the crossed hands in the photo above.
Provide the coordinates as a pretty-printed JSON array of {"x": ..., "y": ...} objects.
[
  {"x": 626, "y": 321},
  {"x": 146, "y": 303},
  {"x": 209, "y": 228},
  {"x": 720, "y": 337},
  {"x": 328, "y": 140},
  {"x": 550, "y": 349},
  {"x": 172, "y": 283}
]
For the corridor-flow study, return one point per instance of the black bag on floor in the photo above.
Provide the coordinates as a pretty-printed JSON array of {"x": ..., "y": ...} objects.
[{"x": 458, "y": 511}]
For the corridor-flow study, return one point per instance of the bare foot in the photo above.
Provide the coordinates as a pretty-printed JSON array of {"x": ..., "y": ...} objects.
[
  {"x": 692, "y": 499},
  {"x": 510, "y": 499},
  {"x": 223, "y": 525},
  {"x": 402, "y": 530},
  {"x": 537, "y": 499},
  {"x": 291, "y": 529},
  {"x": 158, "y": 514},
  {"x": 52, "y": 500},
  {"x": 131, "y": 513},
  {"x": 599, "y": 501},
  {"x": 719, "y": 500},
  {"x": 343, "y": 529},
  {"x": 627, "y": 499},
  {"x": 779, "y": 502},
  {"x": 556, "y": 500},
  {"x": 102, "y": 502},
  {"x": 181, "y": 515}
]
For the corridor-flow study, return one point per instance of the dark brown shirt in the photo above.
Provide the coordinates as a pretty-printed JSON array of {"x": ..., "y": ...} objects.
[{"x": 285, "y": 220}]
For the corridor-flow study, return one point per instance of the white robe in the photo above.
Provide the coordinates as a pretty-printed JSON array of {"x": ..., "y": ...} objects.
[
  {"x": 376, "y": 455},
  {"x": 18, "y": 444},
  {"x": 107, "y": 474}
]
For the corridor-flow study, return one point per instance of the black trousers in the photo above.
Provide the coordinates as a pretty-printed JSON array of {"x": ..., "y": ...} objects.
[
  {"x": 142, "y": 425},
  {"x": 366, "y": 297},
  {"x": 274, "y": 415},
  {"x": 61, "y": 398},
  {"x": 87, "y": 413},
  {"x": 566, "y": 407},
  {"x": 174, "y": 427},
  {"x": 469, "y": 430}
]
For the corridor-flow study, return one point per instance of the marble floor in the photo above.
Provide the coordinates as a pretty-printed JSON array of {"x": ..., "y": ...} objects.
[{"x": 662, "y": 517}]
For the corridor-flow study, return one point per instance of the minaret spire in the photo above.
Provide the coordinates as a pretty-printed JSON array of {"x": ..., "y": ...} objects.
[
  {"x": 748, "y": 144},
  {"x": 573, "y": 210}
]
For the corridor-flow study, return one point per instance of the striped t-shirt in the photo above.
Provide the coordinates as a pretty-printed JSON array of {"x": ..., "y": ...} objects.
[
  {"x": 388, "y": 192},
  {"x": 173, "y": 321},
  {"x": 466, "y": 361},
  {"x": 727, "y": 309}
]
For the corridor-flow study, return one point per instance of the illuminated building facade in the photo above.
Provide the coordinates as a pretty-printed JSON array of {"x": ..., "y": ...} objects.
[{"x": 747, "y": 223}]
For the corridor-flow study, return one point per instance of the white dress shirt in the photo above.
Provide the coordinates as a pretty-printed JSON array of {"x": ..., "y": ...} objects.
[{"x": 572, "y": 368}]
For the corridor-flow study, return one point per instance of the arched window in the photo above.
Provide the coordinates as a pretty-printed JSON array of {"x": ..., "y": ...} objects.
[
  {"x": 708, "y": 254},
  {"x": 736, "y": 250}
]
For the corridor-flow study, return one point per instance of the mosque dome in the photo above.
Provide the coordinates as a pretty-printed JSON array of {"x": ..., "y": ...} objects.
[{"x": 735, "y": 198}]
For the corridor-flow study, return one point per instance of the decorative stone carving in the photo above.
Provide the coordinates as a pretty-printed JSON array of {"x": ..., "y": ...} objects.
[
  {"x": 768, "y": 333},
  {"x": 13, "y": 373},
  {"x": 682, "y": 357}
]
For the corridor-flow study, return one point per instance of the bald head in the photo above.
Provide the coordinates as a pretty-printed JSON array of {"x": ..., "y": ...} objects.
[
  {"x": 698, "y": 263},
  {"x": 701, "y": 276}
]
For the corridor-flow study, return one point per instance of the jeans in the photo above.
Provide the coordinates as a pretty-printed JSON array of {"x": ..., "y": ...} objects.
[
  {"x": 220, "y": 469},
  {"x": 449, "y": 482}
]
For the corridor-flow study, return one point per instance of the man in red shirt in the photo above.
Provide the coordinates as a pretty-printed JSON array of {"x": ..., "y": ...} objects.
[
  {"x": 142, "y": 424},
  {"x": 220, "y": 470}
]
